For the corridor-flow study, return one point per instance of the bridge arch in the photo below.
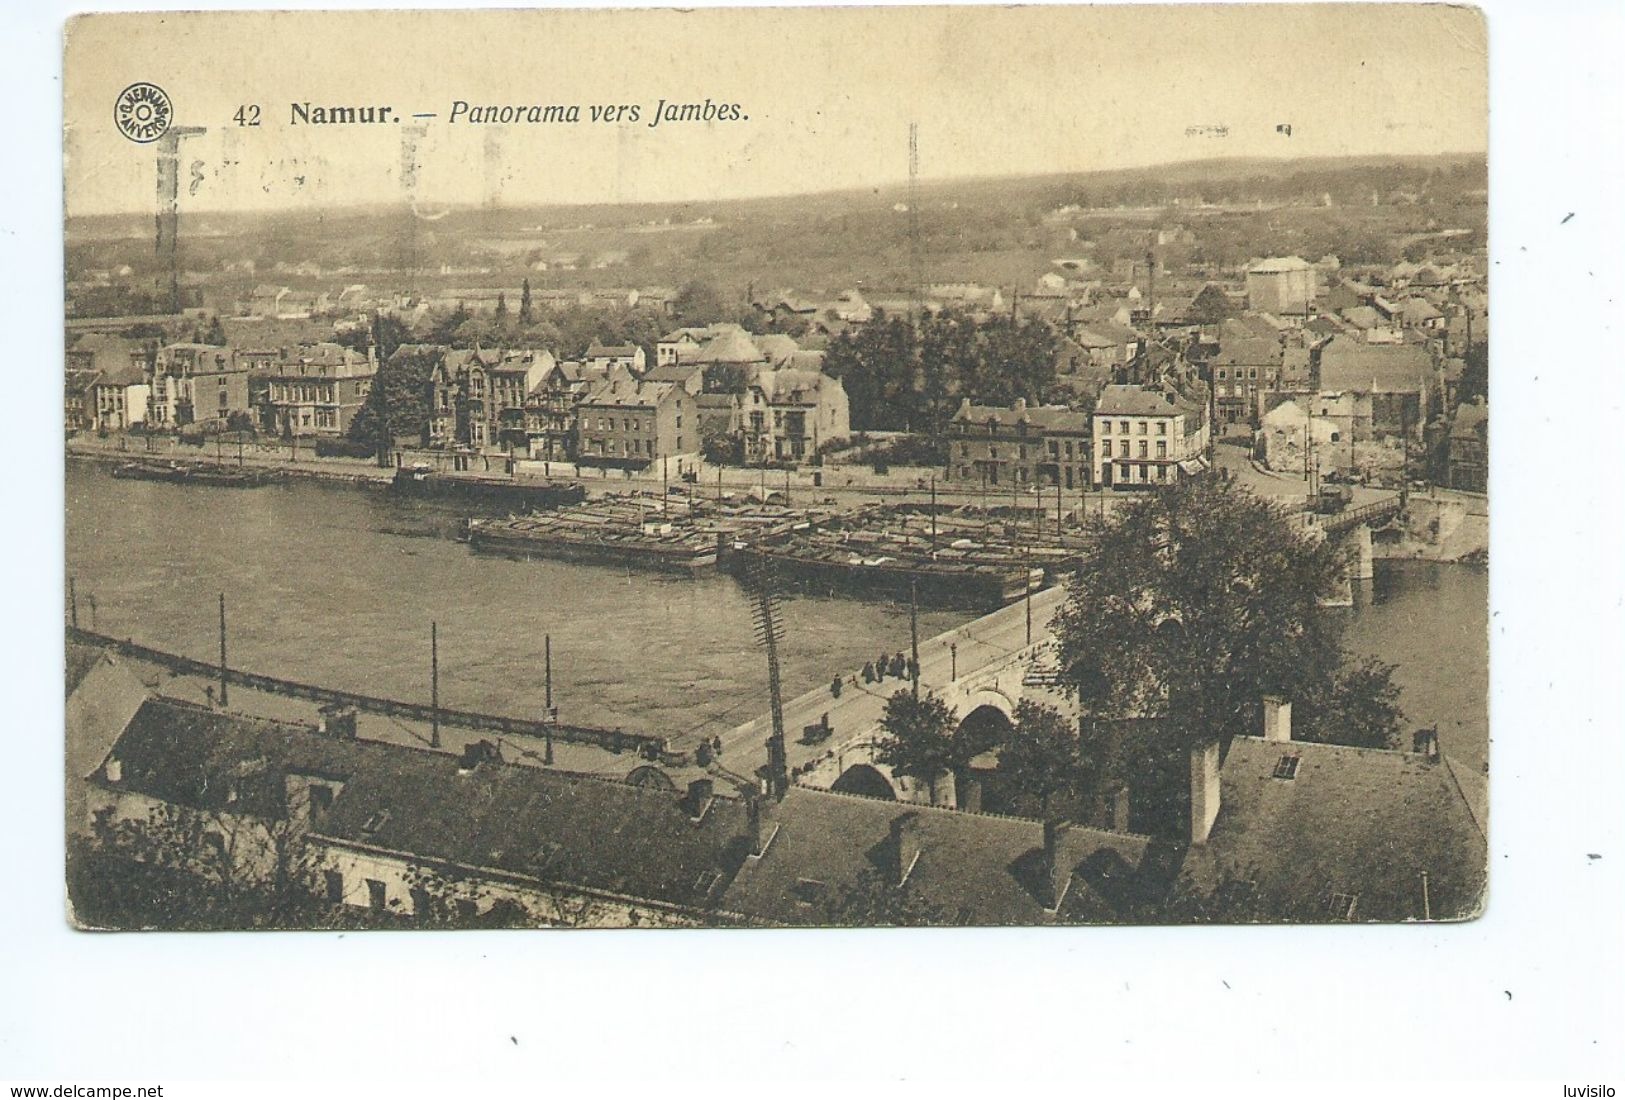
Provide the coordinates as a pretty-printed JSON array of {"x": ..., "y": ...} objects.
[
  {"x": 987, "y": 697},
  {"x": 865, "y": 780}
]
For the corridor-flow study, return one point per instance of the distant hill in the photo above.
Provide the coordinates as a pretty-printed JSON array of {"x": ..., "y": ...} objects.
[{"x": 994, "y": 230}]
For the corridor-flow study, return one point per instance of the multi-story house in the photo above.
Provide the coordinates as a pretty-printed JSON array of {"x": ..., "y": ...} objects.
[
  {"x": 550, "y": 411},
  {"x": 92, "y": 356},
  {"x": 788, "y": 414},
  {"x": 605, "y": 356},
  {"x": 196, "y": 383},
  {"x": 118, "y": 398},
  {"x": 628, "y": 424},
  {"x": 1145, "y": 436},
  {"x": 1246, "y": 365},
  {"x": 1020, "y": 445},
  {"x": 314, "y": 389},
  {"x": 479, "y": 396}
]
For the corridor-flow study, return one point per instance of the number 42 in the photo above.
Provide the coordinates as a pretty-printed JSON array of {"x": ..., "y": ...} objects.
[{"x": 248, "y": 115}]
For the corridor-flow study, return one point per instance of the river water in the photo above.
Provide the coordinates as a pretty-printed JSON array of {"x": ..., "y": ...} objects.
[{"x": 337, "y": 586}]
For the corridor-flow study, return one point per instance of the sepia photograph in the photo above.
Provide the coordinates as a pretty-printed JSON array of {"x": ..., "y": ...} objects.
[{"x": 770, "y": 483}]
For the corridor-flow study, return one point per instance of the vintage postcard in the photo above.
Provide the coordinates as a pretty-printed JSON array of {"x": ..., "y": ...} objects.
[{"x": 776, "y": 467}]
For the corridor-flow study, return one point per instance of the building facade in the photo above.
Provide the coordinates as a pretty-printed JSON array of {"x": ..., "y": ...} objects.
[
  {"x": 314, "y": 389},
  {"x": 630, "y": 424},
  {"x": 786, "y": 415},
  {"x": 1018, "y": 445},
  {"x": 1282, "y": 284},
  {"x": 1145, "y": 437}
]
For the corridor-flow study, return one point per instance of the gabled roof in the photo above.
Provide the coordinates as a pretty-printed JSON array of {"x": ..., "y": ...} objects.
[
  {"x": 972, "y": 868},
  {"x": 1116, "y": 400},
  {"x": 612, "y": 351},
  {"x": 623, "y": 391},
  {"x": 729, "y": 346},
  {"x": 1364, "y": 823},
  {"x": 1043, "y": 417},
  {"x": 540, "y": 824},
  {"x": 793, "y": 387},
  {"x": 1347, "y": 364},
  {"x": 1278, "y": 265}
]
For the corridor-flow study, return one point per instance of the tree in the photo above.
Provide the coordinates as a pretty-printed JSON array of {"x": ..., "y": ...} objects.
[
  {"x": 1196, "y": 601},
  {"x": 1041, "y": 756},
  {"x": 525, "y": 315},
  {"x": 398, "y": 403},
  {"x": 501, "y": 311},
  {"x": 1360, "y": 706},
  {"x": 918, "y": 741}
]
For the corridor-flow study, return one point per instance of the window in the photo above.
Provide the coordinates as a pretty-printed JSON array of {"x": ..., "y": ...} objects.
[
  {"x": 1106, "y": 448},
  {"x": 1142, "y": 427},
  {"x": 375, "y": 822},
  {"x": 1142, "y": 449},
  {"x": 1223, "y": 374},
  {"x": 321, "y": 798},
  {"x": 421, "y": 903},
  {"x": 1122, "y": 427},
  {"x": 1122, "y": 448},
  {"x": 1162, "y": 427},
  {"x": 964, "y": 450},
  {"x": 1287, "y": 767},
  {"x": 808, "y": 891},
  {"x": 1341, "y": 906},
  {"x": 335, "y": 887},
  {"x": 1145, "y": 473},
  {"x": 1162, "y": 448},
  {"x": 377, "y": 895}
]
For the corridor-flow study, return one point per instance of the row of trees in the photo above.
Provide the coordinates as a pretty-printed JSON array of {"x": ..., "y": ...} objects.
[{"x": 902, "y": 375}]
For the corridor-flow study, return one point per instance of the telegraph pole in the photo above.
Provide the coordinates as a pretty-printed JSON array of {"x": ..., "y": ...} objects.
[
  {"x": 1027, "y": 591},
  {"x": 222, "y": 649},
  {"x": 434, "y": 685},
  {"x": 933, "y": 513},
  {"x": 73, "y": 605},
  {"x": 552, "y": 715},
  {"x": 914, "y": 635}
]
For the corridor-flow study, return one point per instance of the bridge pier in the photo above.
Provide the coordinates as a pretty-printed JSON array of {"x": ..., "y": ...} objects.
[{"x": 1361, "y": 564}]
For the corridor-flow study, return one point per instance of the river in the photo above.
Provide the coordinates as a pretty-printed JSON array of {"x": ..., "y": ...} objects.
[{"x": 337, "y": 586}]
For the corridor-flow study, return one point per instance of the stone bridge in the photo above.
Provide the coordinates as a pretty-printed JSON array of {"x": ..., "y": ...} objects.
[{"x": 988, "y": 695}]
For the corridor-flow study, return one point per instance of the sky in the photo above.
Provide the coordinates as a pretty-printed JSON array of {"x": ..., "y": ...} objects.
[{"x": 826, "y": 98}]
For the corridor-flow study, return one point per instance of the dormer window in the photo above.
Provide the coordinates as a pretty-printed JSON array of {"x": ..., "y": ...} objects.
[{"x": 1287, "y": 767}]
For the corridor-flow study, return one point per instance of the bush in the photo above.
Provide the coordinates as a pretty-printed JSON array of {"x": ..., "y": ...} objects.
[{"x": 343, "y": 448}]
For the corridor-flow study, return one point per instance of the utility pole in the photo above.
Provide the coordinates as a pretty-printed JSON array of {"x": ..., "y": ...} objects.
[
  {"x": 434, "y": 685},
  {"x": 953, "y": 660},
  {"x": 73, "y": 605},
  {"x": 933, "y": 514},
  {"x": 914, "y": 635},
  {"x": 222, "y": 649},
  {"x": 552, "y": 714},
  {"x": 1027, "y": 591}
]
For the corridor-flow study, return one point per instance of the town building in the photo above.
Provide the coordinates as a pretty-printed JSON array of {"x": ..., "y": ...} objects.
[
  {"x": 1397, "y": 380},
  {"x": 1147, "y": 436},
  {"x": 606, "y": 356},
  {"x": 550, "y": 411},
  {"x": 1245, "y": 365},
  {"x": 1019, "y": 445},
  {"x": 197, "y": 383},
  {"x": 90, "y": 356},
  {"x": 118, "y": 398},
  {"x": 412, "y": 835},
  {"x": 788, "y": 414},
  {"x": 1467, "y": 454},
  {"x": 313, "y": 389},
  {"x": 628, "y": 424},
  {"x": 1283, "y": 284},
  {"x": 479, "y": 397}
]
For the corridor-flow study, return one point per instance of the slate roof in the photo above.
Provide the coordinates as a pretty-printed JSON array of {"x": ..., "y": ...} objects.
[
  {"x": 1116, "y": 400},
  {"x": 1350, "y": 365},
  {"x": 973, "y": 868},
  {"x": 612, "y": 351},
  {"x": 1051, "y": 418},
  {"x": 1276, "y": 265},
  {"x": 626, "y": 392},
  {"x": 1365, "y": 823},
  {"x": 541, "y": 824}
]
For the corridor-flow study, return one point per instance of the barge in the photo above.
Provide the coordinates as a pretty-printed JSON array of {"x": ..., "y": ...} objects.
[
  {"x": 497, "y": 492},
  {"x": 609, "y": 533},
  {"x": 226, "y": 477}
]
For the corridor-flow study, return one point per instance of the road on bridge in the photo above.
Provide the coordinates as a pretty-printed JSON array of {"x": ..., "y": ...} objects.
[{"x": 978, "y": 644}]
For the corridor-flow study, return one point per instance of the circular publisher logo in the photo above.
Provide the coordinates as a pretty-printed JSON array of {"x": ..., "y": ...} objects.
[{"x": 143, "y": 112}]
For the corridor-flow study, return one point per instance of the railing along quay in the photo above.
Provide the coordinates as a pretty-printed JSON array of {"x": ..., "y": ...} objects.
[{"x": 614, "y": 740}]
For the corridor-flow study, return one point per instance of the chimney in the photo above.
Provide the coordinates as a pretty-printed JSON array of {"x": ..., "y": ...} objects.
[
  {"x": 698, "y": 799},
  {"x": 905, "y": 838},
  {"x": 1020, "y": 406},
  {"x": 1204, "y": 790},
  {"x": 1277, "y": 718},
  {"x": 1120, "y": 810},
  {"x": 964, "y": 404},
  {"x": 1057, "y": 869},
  {"x": 337, "y": 720},
  {"x": 759, "y": 825},
  {"x": 1425, "y": 742}
]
